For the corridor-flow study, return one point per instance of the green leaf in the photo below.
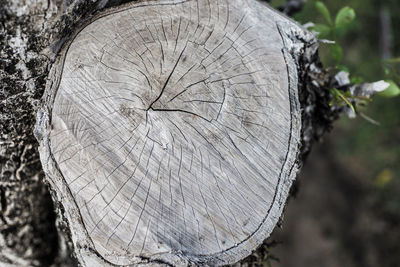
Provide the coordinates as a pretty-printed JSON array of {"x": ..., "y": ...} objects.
[
  {"x": 392, "y": 91},
  {"x": 321, "y": 7},
  {"x": 344, "y": 16},
  {"x": 337, "y": 53},
  {"x": 322, "y": 29}
]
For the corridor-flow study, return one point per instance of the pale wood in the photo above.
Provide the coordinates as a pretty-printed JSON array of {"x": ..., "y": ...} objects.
[{"x": 170, "y": 131}]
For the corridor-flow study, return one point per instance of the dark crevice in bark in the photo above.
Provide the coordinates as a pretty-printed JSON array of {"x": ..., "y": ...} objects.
[{"x": 3, "y": 204}]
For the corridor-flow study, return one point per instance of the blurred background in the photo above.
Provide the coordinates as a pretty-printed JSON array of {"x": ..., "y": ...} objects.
[{"x": 347, "y": 209}]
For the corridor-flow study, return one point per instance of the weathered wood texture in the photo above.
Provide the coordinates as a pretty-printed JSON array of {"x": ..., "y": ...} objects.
[{"x": 170, "y": 130}]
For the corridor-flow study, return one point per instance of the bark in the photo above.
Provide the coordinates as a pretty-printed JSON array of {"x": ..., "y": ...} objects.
[{"x": 32, "y": 34}]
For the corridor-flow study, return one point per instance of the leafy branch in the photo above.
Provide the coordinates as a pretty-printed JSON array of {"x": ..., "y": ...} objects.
[{"x": 328, "y": 30}]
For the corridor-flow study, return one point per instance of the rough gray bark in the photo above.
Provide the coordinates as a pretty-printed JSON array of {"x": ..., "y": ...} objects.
[{"x": 32, "y": 33}]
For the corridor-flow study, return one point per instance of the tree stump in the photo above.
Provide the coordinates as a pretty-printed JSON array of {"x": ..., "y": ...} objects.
[{"x": 170, "y": 130}]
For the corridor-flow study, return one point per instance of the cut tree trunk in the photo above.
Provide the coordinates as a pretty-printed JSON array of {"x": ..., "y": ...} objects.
[{"x": 170, "y": 132}]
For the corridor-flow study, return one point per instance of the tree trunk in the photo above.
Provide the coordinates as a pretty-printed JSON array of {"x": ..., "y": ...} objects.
[{"x": 170, "y": 131}]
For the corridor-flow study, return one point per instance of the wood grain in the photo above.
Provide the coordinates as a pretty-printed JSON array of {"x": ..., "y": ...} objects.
[{"x": 170, "y": 131}]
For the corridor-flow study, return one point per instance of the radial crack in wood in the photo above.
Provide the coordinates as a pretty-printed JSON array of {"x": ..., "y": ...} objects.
[{"x": 170, "y": 131}]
